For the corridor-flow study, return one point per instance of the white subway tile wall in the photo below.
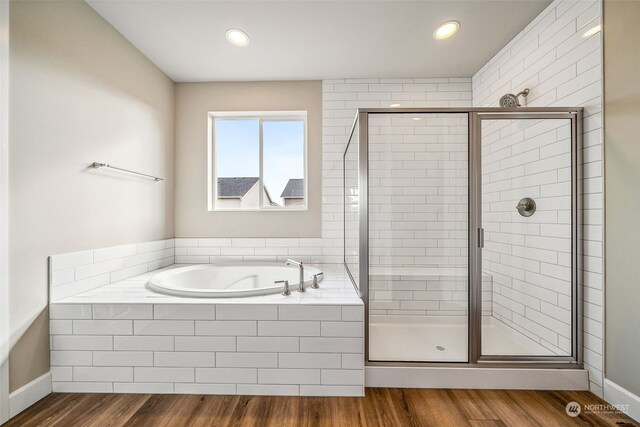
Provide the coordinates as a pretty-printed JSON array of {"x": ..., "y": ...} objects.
[
  {"x": 300, "y": 350},
  {"x": 561, "y": 63},
  {"x": 73, "y": 273}
]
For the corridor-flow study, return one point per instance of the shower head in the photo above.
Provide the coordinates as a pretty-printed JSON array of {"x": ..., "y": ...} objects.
[{"x": 511, "y": 101}]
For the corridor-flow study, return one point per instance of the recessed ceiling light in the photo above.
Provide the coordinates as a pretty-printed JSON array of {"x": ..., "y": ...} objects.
[
  {"x": 237, "y": 37},
  {"x": 394, "y": 105},
  {"x": 446, "y": 30},
  {"x": 417, "y": 118},
  {"x": 592, "y": 31}
]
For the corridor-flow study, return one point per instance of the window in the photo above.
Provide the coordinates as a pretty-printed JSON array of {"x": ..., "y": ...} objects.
[{"x": 258, "y": 161}]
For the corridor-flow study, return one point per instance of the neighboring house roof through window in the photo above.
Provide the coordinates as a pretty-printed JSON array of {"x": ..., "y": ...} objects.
[
  {"x": 235, "y": 187},
  {"x": 294, "y": 189}
]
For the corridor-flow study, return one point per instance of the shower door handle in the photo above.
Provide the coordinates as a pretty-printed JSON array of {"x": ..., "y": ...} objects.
[{"x": 481, "y": 238}]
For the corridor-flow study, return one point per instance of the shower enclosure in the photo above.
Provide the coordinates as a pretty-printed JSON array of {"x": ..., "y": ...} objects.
[{"x": 461, "y": 234}]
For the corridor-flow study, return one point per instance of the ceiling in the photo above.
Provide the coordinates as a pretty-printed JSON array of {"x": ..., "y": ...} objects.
[{"x": 321, "y": 39}]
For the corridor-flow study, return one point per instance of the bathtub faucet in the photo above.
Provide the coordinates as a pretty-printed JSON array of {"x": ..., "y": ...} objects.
[{"x": 301, "y": 266}]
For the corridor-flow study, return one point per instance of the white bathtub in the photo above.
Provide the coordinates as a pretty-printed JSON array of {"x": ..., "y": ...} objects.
[{"x": 224, "y": 281}]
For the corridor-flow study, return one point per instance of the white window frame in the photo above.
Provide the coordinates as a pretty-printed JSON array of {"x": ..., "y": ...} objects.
[{"x": 261, "y": 117}]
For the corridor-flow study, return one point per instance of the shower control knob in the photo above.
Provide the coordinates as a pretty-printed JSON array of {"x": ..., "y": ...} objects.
[{"x": 526, "y": 207}]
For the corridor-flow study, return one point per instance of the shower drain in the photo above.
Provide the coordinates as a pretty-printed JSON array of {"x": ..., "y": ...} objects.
[{"x": 440, "y": 348}]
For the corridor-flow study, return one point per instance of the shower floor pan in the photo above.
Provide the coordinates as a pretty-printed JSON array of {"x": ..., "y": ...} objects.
[{"x": 442, "y": 339}]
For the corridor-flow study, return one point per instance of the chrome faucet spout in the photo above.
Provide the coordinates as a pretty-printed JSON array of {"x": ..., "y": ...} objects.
[{"x": 300, "y": 264}]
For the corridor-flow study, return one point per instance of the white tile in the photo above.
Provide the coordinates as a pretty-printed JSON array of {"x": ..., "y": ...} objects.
[
  {"x": 60, "y": 327},
  {"x": 246, "y": 360},
  {"x": 212, "y": 242},
  {"x": 289, "y": 376},
  {"x": 82, "y": 387},
  {"x": 118, "y": 275},
  {"x": 71, "y": 342},
  {"x": 353, "y": 313},
  {"x": 61, "y": 277},
  {"x": 122, "y": 311},
  {"x": 97, "y": 374},
  {"x": 163, "y": 327},
  {"x": 184, "y": 359},
  {"x": 288, "y": 328},
  {"x": 333, "y": 345},
  {"x": 95, "y": 269},
  {"x": 352, "y": 361},
  {"x": 144, "y": 258},
  {"x": 246, "y": 312},
  {"x": 227, "y": 327},
  {"x": 70, "y": 311},
  {"x": 143, "y": 388},
  {"x": 227, "y": 375},
  {"x": 325, "y": 390},
  {"x": 79, "y": 286},
  {"x": 102, "y": 327},
  {"x": 182, "y": 242},
  {"x": 142, "y": 343},
  {"x": 342, "y": 329},
  {"x": 170, "y": 375},
  {"x": 105, "y": 254},
  {"x": 184, "y": 311},
  {"x": 70, "y": 358},
  {"x": 269, "y": 344},
  {"x": 122, "y": 358},
  {"x": 205, "y": 388},
  {"x": 342, "y": 376},
  {"x": 309, "y": 312},
  {"x": 267, "y": 390},
  {"x": 205, "y": 344},
  {"x": 309, "y": 360},
  {"x": 61, "y": 373},
  {"x": 70, "y": 260}
]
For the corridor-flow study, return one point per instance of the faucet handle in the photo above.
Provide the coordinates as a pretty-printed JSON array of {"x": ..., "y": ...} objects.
[
  {"x": 315, "y": 284},
  {"x": 286, "y": 291}
]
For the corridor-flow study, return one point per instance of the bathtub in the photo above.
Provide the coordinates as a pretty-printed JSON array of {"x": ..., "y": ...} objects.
[{"x": 226, "y": 281}]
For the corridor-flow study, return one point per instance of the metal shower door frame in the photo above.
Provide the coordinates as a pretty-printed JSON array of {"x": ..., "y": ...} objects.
[{"x": 475, "y": 117}]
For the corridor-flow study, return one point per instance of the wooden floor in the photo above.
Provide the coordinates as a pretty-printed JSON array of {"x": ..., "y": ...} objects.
[{"x": 381, "y": 407}]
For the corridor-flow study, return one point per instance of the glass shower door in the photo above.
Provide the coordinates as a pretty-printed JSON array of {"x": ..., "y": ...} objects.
[
  {"x": 528, "y": 217},
  {"x": 418, "y": 303}
]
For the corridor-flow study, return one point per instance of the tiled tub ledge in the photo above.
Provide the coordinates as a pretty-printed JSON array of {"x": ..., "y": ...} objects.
[{"x": 125, "y": 338}]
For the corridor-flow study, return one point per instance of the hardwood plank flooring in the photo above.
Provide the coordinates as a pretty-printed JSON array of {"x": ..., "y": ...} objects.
[{"x": 380, "y": 407}]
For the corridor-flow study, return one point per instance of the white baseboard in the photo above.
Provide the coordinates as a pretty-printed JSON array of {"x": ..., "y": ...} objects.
[
  {"x": 616, "y": 395},
  {"x": 478, "y": 378},
  {"x": 29, "y": 394}
]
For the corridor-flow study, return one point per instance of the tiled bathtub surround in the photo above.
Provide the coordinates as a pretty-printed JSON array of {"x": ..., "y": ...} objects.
[
  {"x": 560, "y": 60},
  {"x": 131, "y": 340},
  {"x": 77, "y": 272}
]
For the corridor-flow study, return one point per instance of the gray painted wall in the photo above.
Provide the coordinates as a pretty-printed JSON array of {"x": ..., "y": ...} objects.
[{"x": 622, "y": 163}]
